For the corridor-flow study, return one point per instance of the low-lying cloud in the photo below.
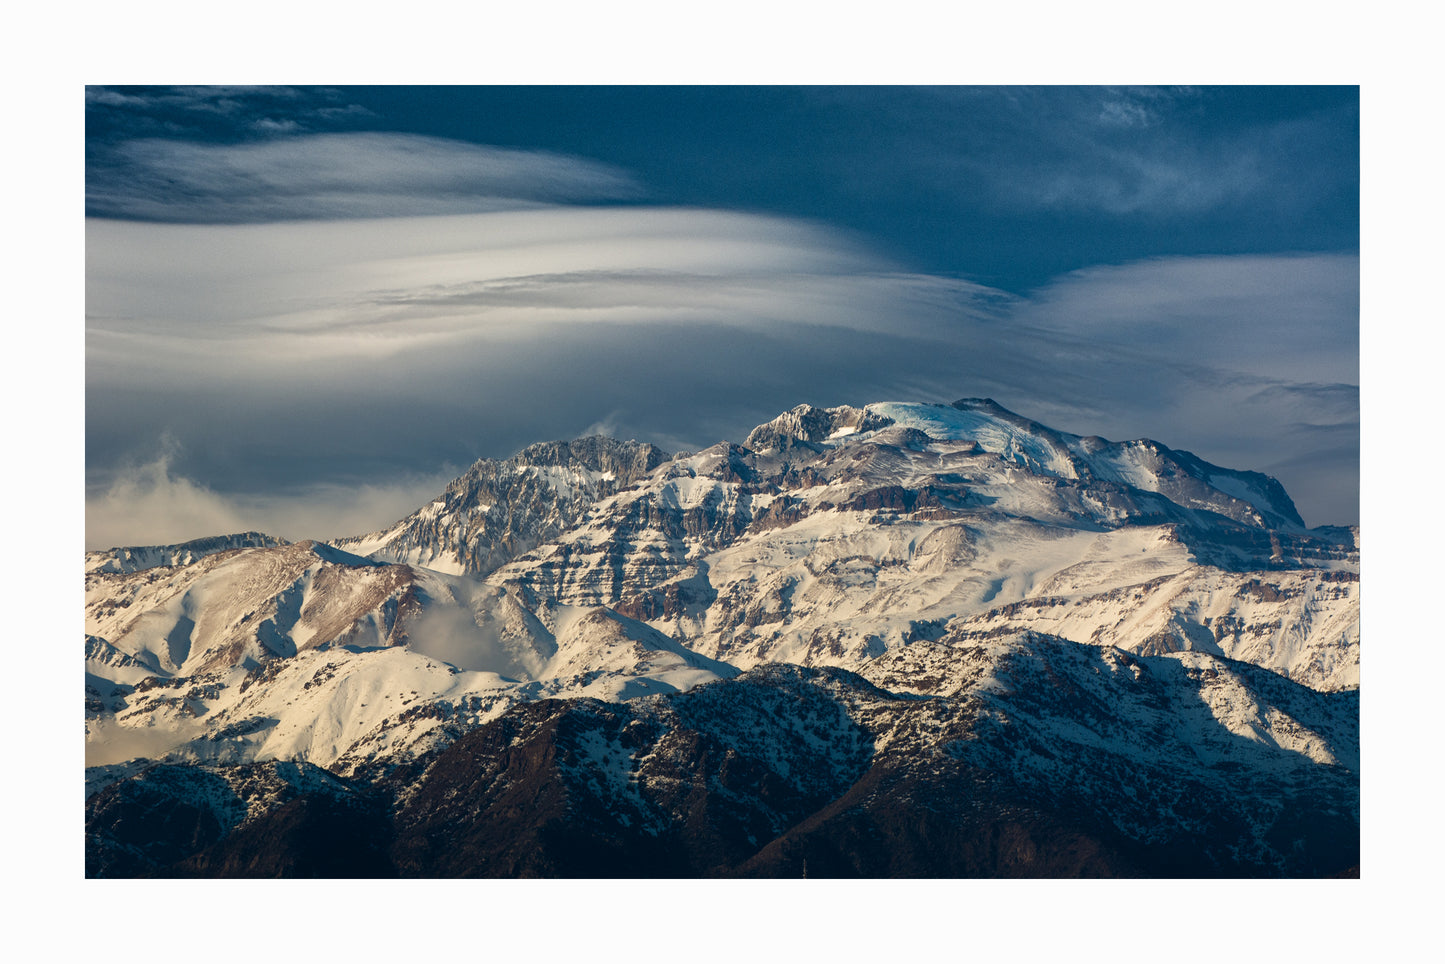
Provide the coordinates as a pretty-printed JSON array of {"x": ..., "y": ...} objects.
[
  {"x": 147, "y": 504},
  {"x": 452, "y": 635}
]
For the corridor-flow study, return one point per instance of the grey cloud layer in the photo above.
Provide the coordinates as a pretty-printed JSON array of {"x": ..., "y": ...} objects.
[
  {"x": 294, "y": 362},
  {"x": 309, "y": 358},
  {"x": 338, "y": 175}
]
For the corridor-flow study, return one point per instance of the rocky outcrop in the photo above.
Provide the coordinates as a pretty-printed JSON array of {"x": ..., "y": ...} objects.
[{"x": 499, "y": 510}]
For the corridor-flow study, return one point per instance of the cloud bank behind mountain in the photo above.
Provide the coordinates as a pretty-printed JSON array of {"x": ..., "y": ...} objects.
[{"x": 274, "y": 364}]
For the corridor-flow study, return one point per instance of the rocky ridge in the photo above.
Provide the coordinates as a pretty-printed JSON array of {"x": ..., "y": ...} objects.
[{"x": 136, "y": 558}]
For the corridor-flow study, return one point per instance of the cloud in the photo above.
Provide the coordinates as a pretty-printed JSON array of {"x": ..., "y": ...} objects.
[
  {"x": 147, "y": 504},
  {"x": 1274, "y": 316},
  {"x": 1314, "y": 405},
  {"x": 301, "y": 363},
  {"x": 332, "y": 175},
  {"x": 452, "y": 635},
  {"x": 221, "y": 113},
  {"x": 379, "y": 287},
  {"x": 215, "y": 98},
  {"x": 239, "y": 103}
]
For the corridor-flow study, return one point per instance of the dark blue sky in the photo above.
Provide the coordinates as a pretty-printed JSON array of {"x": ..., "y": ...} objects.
[{"x": 308, "y": 307}]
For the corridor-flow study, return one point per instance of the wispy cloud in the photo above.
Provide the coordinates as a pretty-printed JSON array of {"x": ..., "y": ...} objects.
[
  {"x": 336, "y": 175},
  {"x": 211, "y": 99},
  {"x": 1123, "y": 113},
  {"x": 1293, "y": 317}
]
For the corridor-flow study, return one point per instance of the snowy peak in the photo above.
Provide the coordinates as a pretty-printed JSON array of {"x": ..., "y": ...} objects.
[
  {"x": 858, "y": 531},
  {"x": 1249, "y": 498},
  {"x": 1133, "y": 472},
  {"x": 1144, "y": 464},
  {"x": 1015, "y": 439},
  {"x": 499, "y": 511}
]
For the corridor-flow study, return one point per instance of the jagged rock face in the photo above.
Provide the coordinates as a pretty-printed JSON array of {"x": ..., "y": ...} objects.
[
  {"x": 829, "y": 548},
  {"x": 642, "y": 539},
  {"x": 973, "y": 646},
  {"x": 499, "y": 510}
]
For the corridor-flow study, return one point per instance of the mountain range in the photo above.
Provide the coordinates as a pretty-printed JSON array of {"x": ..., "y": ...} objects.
[{"x": 893, "y": 640}]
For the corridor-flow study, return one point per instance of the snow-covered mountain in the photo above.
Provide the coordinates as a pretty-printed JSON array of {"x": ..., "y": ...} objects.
[
  {"x": 1092, "y": 631},
  {"x": 832, "y": 545}
]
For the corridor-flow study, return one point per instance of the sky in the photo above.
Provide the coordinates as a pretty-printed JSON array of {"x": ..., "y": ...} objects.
[{"x": 307, "y": 309}]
